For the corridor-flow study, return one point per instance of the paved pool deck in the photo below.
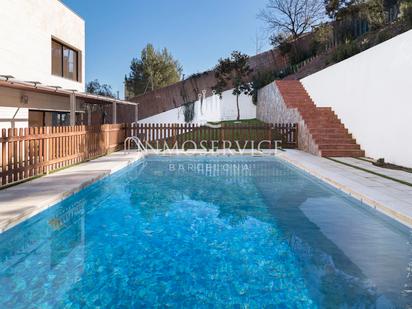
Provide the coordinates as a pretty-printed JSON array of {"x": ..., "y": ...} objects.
[
  {"x": 397, "y": 174},
  {"x": 387, "y": 196},
  {"x": 25, "y": 200}
]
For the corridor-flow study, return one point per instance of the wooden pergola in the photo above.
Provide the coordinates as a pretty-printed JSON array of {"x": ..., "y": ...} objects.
[{"x": 72, "y": 94}]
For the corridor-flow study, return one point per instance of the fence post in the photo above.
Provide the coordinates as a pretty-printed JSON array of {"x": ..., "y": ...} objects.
[
  {"x": 15, "y": 155},
  {"x": 3, "y": 156},
  {"x": 270, "y": 135},
  {"x": 106, "y": 133},
  {"x": 47, "y": 150},
  {"x": 296, "y": 125},
  {"x": 21, "y": 154},
  {"x": 174, "y": 134},
  {"x": 10, "y": 155},
  {"x": 222, "y": 134}
]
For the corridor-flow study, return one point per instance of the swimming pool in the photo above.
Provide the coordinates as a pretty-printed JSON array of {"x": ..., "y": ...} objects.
[{"x": 198, "y": 231}]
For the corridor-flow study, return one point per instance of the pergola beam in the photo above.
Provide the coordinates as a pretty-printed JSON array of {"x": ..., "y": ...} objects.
[{"x": 72, "y": 94}]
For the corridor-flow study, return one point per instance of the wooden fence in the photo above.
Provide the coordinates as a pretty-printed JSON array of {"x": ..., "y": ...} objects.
[
  {"x": 31, "y": 152},
  {"x": 221, "y": 136}
]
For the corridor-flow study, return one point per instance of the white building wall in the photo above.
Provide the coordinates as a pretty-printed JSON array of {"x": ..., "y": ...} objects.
[
  {"x": 213, "y": 109},
  {"x": 26, "y": 30},
  {"x": 12, "y": 117},
  {"x": 372, "y": 94}
]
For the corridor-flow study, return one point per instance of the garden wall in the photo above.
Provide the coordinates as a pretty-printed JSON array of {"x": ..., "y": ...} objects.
[
  {"x": 372, "y": 94},
  {"x": 213, "y": 108},
  {"x": 174, "y": 96}
]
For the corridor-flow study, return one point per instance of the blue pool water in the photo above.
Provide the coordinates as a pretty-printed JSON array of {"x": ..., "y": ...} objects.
[{"x": 207, "y": 231}]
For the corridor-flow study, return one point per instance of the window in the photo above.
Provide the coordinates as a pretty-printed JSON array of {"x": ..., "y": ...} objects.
[
  {"x": 60, "y": 119},
  {"x": 65, "y": 61},
  {"x": 57, "y": 65}
]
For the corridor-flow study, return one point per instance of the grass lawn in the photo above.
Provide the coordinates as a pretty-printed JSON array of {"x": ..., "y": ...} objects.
[
  {"x": 243, "y": 131},
  {"x": 240, "y": 122}
]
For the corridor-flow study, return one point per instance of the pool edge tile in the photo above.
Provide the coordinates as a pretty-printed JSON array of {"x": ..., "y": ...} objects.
[
  {"x": 349, "y": 190},
  {"x": 29, "y": 210}
]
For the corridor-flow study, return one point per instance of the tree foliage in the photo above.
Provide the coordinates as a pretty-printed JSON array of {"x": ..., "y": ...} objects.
[
  {"x": 373, "y": 10},
  {"x": 155, "y": 69},
  {"x": 94, "y": 87},
  {"x": 406, "y": 12},
  {"x": 292, "y": 18},
  {"x": 339, "y": 8},
  {"x": 234, "y": 72}
]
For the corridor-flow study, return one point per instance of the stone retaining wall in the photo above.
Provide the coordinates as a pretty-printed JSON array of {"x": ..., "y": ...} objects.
[{"x": 271, "y": 108}]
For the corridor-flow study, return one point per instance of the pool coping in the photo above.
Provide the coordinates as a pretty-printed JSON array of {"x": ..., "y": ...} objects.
[
  {"x": 16, "y": 207},
  {"x": 356, "y": 184}
]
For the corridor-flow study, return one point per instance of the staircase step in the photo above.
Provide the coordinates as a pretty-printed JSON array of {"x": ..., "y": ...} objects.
[
  {"x": 342, "y": 153},
  {"x": 314, "y": 111},
  {"x": 331, "y": 136},
  {"x": 330, "y": 130},
  {"x": 319, "y": 125},
  {"x": 322, "y": 119},
  {"x": 308, "y": 107},
  {"x": 310, "y": 117},
  {"x": 334, "y": 141},
  {"x": 339, "y": 147},
  {"x": 297, "y": 98}
]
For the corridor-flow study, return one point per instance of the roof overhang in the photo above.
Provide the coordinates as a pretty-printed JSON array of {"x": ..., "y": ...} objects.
[{"x": 52, "y": 90}]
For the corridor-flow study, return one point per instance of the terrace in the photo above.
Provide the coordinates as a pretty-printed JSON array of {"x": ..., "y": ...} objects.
[{"x": 240, "y": 186}]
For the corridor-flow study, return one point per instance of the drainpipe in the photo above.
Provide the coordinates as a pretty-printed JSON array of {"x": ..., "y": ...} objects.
[
  {"x": 114, "y": 112},
  {"x": 73, "y": 109},
  {"x": 89, "y": 115},
  {"x": 136, "y": 112}
]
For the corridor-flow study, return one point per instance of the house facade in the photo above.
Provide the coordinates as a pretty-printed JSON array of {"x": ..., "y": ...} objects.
[
  {"x": 42, "y": 69},
  {"x": 42, "y": 44}
]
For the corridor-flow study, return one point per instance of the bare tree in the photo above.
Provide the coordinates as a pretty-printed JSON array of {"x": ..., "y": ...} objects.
[{"x": 292, "y": 18}]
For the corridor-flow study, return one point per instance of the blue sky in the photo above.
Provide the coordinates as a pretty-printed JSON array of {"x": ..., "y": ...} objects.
[{"x": 197, "y": 33}]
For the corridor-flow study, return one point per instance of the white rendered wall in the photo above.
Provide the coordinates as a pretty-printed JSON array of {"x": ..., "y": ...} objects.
[
  {"x": 14, "y": 117},
  {"x": 229, "y": 110},
  {"x": 212, "y": 109},
  {"x": 26, "y": 31},
  {"x": 372, "y": 94}
]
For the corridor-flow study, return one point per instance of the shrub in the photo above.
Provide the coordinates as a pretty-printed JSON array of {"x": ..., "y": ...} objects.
[
  {"x": 189, "y": 111},
  {"x": 323, "y": 35},
  {"x": 345, "y": 51},
  {"x": 406, "y": 12},
  {"x": 293, "y": 49},
  {"x": 383, "y": 36},
  {"x": 260, "y": 80},
  {"x": 375, "y": 13},
  {"x": 281, "y": 42}
]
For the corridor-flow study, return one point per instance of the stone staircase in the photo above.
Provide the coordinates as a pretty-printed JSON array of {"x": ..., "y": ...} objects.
[{"x": 325, "y": 128}]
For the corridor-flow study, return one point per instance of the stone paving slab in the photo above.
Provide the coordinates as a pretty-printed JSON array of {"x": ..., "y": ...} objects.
[
  {"x": 389, "y": 197},
  {"x": 25, "y": 200},
  {"x": 401, "y": 175}
]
